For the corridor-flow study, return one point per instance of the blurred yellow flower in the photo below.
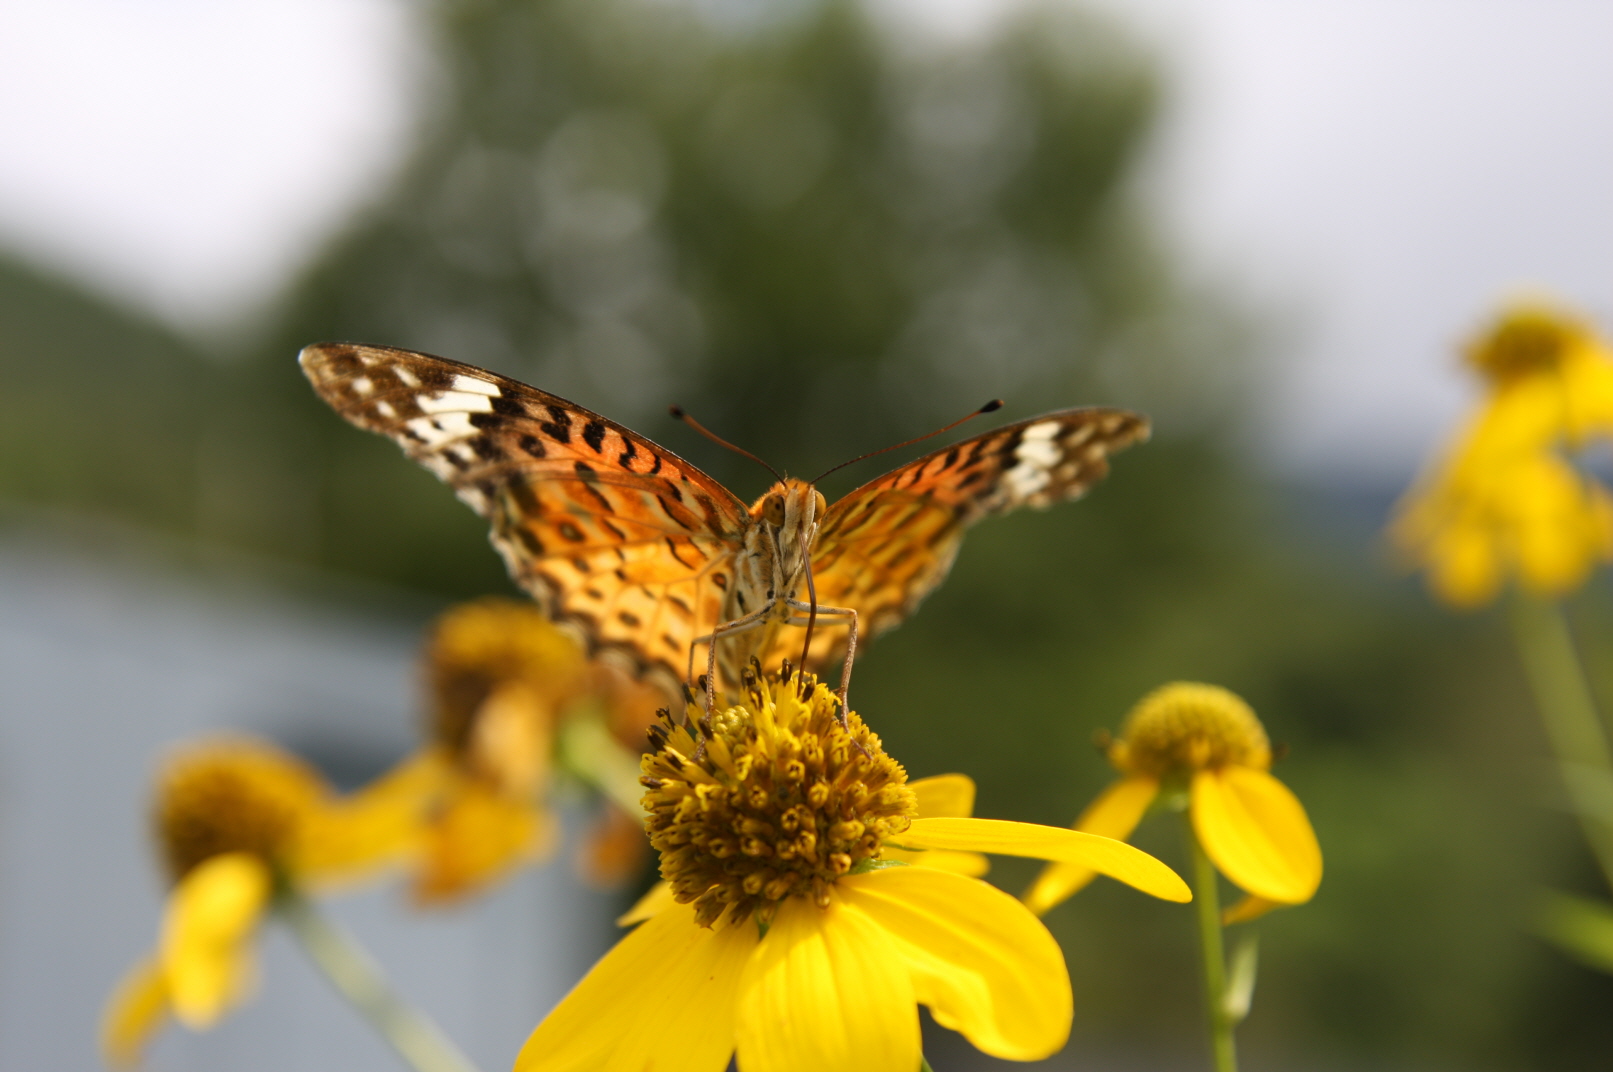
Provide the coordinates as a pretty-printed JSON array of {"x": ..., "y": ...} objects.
[
  {"x": 789, "y": 935},
  {"x": 1207, "y": 740},
  {"x": 1505, "y": 502},
  {"x": 235, "y": 819},
  {"x": 501, "y": 679}
]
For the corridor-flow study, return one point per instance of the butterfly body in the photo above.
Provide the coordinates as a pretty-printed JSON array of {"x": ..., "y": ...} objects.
[{"x": 646, "y": 558}]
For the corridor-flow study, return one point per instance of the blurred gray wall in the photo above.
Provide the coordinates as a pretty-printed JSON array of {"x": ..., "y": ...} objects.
[{"x": 105, "y": 662}]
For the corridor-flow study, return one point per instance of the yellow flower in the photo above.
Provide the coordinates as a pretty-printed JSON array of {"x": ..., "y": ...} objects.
[
  {"x": 234, "y": 819},
  {"x": 943, "y": 796},
  {"x": 1206, "y": 740},
  {"x": 501, "y": 678},
  {"x": 1505, "y": 502},
  {"x": 788, "y": 933}
]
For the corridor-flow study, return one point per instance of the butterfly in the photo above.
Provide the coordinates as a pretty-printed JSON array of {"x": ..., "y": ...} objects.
[{"x": 646, "y": 558}]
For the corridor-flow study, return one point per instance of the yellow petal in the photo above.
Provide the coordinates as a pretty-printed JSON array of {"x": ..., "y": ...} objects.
[
  {"x": 1250, "y": 908},
  {"x": 1257, "y": 833},
  {"x": 381, "y": 825},
  {"x": 945, "y": 796},
  {"x": 480, "y": 836},
  {"x": 134, "y": 1012},
  {"x": 1114, "y": 814},
  {"x": 972, "y": 864},
  {"x": 826, "y": 989},
  {"x": 662, "y": 999},
  {"x": 206, "y": 952},
  {"x": 1103, "y": 855},
  {"x": 984, "y": 965},
  {"x": 614, "y": 850},
  {"x": 653, "y": 903}
]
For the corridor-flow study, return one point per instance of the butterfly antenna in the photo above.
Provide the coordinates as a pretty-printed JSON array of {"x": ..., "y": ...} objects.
[
  {"x": 678, "y": 412},
  {"x": 989, "y": 407}
]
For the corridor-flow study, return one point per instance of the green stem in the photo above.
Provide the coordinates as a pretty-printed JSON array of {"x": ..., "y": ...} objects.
[
  {"x": 587, "y": 750},
  {"x": 1569, "y": 711},
  {"x": 1207, "y": 903},
  {"x": 416, "y": 1039},
  {"x": 924, "y": 1064}
]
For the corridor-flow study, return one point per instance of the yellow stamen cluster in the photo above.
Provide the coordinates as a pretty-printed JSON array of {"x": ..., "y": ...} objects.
[
  {"x": 233, "y": 796},
  {"x": 1183, "y": 727},
  {"x": 1526, "y": 341},
  {"x": 774, "y": 797},
  {"x": 480, "y": 647}
]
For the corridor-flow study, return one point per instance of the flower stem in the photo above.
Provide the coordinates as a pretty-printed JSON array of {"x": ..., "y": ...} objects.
[
  {"x": 588, "y": 751},
  {"x": 924, "y": 1064},
  {"x": 1569, "y": 711},
  {"x": 420, "y": 1043},
  {"x": 1207, "y": 905}
]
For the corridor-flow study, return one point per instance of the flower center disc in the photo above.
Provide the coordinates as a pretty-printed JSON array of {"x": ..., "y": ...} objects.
[
  {"x": 231, "y": 798},
  {"x": 773, "y": 797},
  {"x": 1527, "y": 341},
  {"x": 1187, "y": 727}
]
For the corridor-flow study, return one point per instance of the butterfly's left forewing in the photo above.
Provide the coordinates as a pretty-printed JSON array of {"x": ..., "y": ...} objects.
[
  {"x": 882, "y": 548},
  {"x": 612, "y": 534}
]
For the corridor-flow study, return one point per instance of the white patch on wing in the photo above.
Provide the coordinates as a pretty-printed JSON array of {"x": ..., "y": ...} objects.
[
  {"x": 1041, "y": 451},
  {"x": 474, "y": 386},
  {"x": 384, "y": 408},
  {"x": 445, "y": 428},
  {"x": 454, "y": 402},
  {"x": 363, "y": 385},
  {"x": 1024, "y": 481},
  {"x": 1037, "y": 453},
  {"x": 405, "y": 377}
]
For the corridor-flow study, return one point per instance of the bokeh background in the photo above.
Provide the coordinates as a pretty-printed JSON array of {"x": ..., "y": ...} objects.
[{"x": 822, "y": 227}]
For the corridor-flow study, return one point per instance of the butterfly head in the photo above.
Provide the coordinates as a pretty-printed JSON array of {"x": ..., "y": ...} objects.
[{"x": 791, "y": 510}]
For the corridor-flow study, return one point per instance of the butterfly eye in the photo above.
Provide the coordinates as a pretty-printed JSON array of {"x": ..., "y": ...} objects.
[
  {"x": 820, "y": 505},
  {"x": 773, "y": 510}
]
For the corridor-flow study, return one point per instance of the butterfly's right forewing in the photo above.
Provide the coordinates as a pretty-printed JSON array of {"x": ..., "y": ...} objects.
[
  {"x": 885, "y": 546},
  {"x": 609, "y": 532}
]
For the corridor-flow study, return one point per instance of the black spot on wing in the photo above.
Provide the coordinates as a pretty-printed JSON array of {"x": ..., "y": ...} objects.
[
  {"x": 533, "y": 446},
  {"x": 593, "y": 434},
  {"x": 529, "y": 540},
  {"x": 558, "y": 427}
]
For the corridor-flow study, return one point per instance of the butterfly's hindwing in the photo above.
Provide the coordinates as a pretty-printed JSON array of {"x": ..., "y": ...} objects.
[{"x": 609, "y": 532}]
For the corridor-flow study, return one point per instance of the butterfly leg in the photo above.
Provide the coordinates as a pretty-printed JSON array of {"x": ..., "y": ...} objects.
[
  {"x": 848, "y": 617},
  {"x": 754, "y": 620}
]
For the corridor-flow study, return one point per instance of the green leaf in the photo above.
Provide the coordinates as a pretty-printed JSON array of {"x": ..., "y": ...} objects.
[
  {"x": 862, "y": 867},
  {"x": 1579, "y": 926},
  {"x": 1241, "y": 972}
]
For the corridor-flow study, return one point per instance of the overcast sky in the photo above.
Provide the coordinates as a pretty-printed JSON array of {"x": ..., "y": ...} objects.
[{"x": 1373, "y": 174}]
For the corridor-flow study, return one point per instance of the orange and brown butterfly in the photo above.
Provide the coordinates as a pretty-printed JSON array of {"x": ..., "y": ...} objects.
[{"x": 648, "y": 558}]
